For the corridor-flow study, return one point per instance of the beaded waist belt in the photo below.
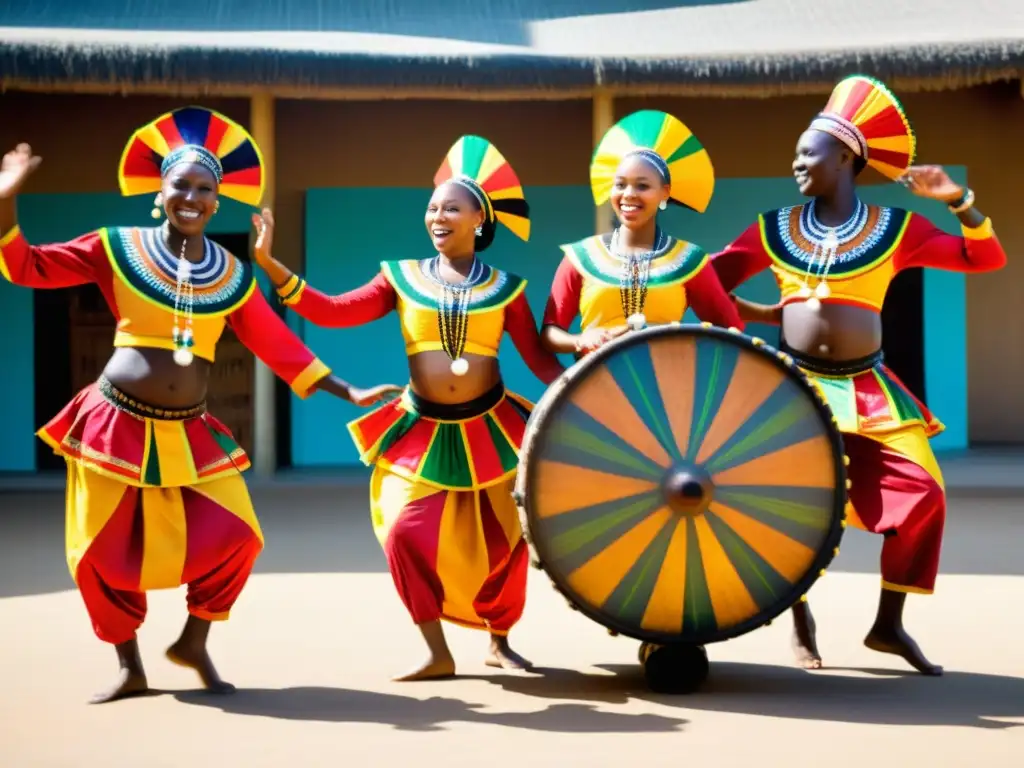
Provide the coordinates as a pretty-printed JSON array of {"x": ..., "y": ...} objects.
[
  {"x": 135, "y": 407},
  {"x": 833, "y": 367}
]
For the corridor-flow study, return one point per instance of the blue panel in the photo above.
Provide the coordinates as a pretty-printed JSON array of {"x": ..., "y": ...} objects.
[
  {"x": 389, "y": 226},
  {"x": 55, "y": 218}
]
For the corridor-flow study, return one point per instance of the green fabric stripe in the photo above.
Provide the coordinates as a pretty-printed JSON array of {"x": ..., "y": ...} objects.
[
  {"x": 473, "y": 150},
  {"x": 397, "y": 431},
  {"x": 507, "y": 454},
  {"x": 628, "y": 601},
  {"x": 689, "y": 147},
  {"x": 151, "y": 472},
  {"x": 841, "y": 397},
  {"x": 906, "y": 408},
  {"x": 226, "y": 444},
  {"x": 698, "y": 613},
  {"x": 509, "y": 290},
  {"x": 447, "y": 462}
]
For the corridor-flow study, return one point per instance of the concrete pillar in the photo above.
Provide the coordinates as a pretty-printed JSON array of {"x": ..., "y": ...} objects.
[
  {"x": 261, "y": 119},
  {"x": 603, "y": 120}
]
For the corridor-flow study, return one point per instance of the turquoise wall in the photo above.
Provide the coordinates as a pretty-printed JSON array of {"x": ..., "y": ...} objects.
[
  {"x": 340, "y": 258},
  {"x": 48, "y": 219}
]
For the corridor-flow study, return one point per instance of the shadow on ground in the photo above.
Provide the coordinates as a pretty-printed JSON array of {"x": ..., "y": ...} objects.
[
  {"x": 864, "y": 696},
  {"x": 342, "y": 705}
]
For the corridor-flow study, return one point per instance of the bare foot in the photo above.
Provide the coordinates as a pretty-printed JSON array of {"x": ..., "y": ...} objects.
[
  {"x": 432, "y": 669},
  {"x": 805, "y": 642},
  {"x": 502, "y": 656},
  {"x": 896, "y": 641},
  {"x": 129, "y": 684},
  {"x": 198, "y": 659}
]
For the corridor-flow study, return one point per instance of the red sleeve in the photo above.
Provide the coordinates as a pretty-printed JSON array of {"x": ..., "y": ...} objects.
[
  {"x": 742, "y": 259},
  {"x": 522, "y": 327},
  {"x": 564, "y": 302},
  {"x": 58, "y": 265},
  {"x": 925, "y": 245},
  {"x": 264, "y": 333},
  {"x": 347, "y": 310},
  {"x": 709, "y": 300}
]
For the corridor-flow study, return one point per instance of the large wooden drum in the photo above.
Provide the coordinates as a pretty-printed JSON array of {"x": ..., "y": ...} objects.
[{"x": 683, "y": 484}]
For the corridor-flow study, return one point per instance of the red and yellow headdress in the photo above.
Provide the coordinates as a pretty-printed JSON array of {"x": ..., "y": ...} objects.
[
  {"x": 193, "y": 135},
  {"x": 477, "y": 165},
  {"x": 668, "y": 145},
  {"x": 867, "y": 117}
]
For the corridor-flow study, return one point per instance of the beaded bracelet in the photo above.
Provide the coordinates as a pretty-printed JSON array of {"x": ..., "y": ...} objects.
[{"x": 964, "y": 203}]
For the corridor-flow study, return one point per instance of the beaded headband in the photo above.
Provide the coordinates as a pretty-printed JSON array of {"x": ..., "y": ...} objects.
[
  {"x": 191, "y": 153},
  {"x": 475, "y": 164},
  {"x": 867, "y": 117},
  {"x": 198, "y": 135},
  {"x": 668, "y": 145}
]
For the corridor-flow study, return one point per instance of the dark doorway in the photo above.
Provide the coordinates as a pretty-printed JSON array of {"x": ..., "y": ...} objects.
[
  {"x": 74, "y": 330},
  {"x": 903, "y": 330}
]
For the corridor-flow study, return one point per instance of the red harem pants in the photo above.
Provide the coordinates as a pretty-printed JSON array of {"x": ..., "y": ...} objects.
[
  {"x": 123, "y": 540},
  {"x": 897, "y": 491}
]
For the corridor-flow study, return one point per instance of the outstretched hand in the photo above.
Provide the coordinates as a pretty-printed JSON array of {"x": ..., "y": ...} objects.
[
  {"x": 594, "y": 338},
  {"x": 933, "y": 182},
  {"x": 17, "y": 165},
  {"x": 264, "y": 237},
  {"x": 365, "y": 397}
]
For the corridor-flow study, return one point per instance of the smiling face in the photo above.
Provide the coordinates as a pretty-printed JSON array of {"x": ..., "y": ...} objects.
[
  {"x": 189, "y": 192},
  {"x": 453, "y": 215},
  {"x": 637, "y": 191},
  {"x": 821, "y": 162}
]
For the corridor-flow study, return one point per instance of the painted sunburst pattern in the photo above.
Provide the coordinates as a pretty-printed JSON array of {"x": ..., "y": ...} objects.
[{"x": 736, "y": 420}]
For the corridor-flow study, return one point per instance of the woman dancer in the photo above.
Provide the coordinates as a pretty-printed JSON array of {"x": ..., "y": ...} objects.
[
  {"x": 445, "y": 453},
  {"x": 639, "y": 274},
  {"x": 155, "y": 498},
  {"x": 833, "y": 259}
]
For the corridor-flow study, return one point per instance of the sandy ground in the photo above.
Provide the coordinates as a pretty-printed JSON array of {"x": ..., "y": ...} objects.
[{"x": 319, "y": 630}]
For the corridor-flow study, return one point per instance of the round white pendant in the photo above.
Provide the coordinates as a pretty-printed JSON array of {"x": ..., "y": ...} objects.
[
  {"x": 813, "y": 304},
  {"x": 183, "y": 356},
  {"x": 822, "y": 291},
  {"x": 460, "y": 366},
  {"x": 636, "y": 321}
]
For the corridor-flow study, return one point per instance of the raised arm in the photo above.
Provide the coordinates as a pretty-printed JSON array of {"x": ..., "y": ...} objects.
[
  {"x": 60, "y": 265},
  {"x": 741, "y": 259},
  {"x": 925, "y": 245},
  {"x": 710, "y": 301},
  {"x": 522, "y": 327}
]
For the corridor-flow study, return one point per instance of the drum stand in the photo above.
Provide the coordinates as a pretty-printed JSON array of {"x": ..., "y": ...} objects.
[{"x": 678, "y": 668}]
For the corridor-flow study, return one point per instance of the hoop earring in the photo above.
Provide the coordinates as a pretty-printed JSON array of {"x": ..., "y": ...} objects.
[{"x": 158, "y": 204}]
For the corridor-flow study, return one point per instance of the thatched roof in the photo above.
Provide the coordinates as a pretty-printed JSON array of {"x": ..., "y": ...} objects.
[{"x": 411, "y": 47}]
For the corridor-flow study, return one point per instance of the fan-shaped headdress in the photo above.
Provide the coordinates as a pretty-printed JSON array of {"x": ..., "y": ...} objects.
[
  {"x": 193, "y": 135},
  {"x": 477, "y": 165},
  {"x": 666, "y": 143},
  {"x": 867, "y": 117}
]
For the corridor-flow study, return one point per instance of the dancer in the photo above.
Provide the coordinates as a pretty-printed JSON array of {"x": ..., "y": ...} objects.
[
  {"x": 445, "y": 453},
  {"x": 833, "y": 259},
  {"x": 155, "y": 498},
  {"x": 639, "y": 274}
]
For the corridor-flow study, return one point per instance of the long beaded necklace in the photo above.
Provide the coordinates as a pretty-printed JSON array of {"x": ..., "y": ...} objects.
[
  {"x": 184, "y": 300},
  {"x": 453, "y": 312},
  {"x": 826, "y": 242},
  {"x": 634, "y": 276}
]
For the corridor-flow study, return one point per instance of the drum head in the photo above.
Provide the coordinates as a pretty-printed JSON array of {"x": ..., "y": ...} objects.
[{"x": 686, "y": 484}]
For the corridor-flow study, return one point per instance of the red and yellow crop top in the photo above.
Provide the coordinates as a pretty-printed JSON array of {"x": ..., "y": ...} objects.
[
  {"x": 497, "y": 304},
  {"x": 138, "y": 276},
  {"x": 587, "y": 283},
  {"x": 890, "y": 240}
]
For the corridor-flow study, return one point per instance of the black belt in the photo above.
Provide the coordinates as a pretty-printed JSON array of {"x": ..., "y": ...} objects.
[
  {"x": 833, "y": 367},
  {"x": 136, "y": 407},
  {"x": 458, "y": 411}
]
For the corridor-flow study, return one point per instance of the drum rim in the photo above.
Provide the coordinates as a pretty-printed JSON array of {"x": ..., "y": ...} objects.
[{"x": 834, "y": 535}]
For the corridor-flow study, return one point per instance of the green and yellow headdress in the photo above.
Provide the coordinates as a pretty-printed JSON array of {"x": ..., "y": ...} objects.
[
  {"x": 476, "y": 164},
  {"x": 668, "y": 145}
]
